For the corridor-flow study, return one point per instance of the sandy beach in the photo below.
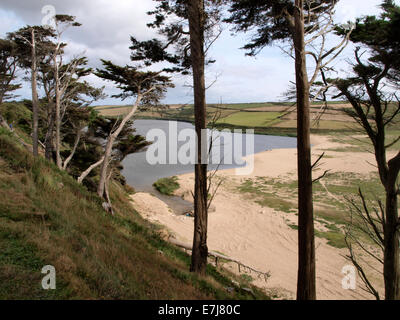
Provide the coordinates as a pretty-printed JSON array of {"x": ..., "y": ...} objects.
[{"x": 259, "y": 236}]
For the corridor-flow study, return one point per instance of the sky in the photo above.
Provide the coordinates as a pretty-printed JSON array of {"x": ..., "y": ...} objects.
[{"x": 107, "y": 27}]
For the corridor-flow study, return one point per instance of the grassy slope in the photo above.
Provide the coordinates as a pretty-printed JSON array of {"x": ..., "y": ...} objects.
[{"x": 46, "y": 218}]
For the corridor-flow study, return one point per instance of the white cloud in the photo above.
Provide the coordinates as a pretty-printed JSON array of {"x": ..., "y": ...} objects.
[{"x": 107, "y": 26}]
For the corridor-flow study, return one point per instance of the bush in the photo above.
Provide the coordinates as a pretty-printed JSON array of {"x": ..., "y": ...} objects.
[{"x": 167, "y": 186}]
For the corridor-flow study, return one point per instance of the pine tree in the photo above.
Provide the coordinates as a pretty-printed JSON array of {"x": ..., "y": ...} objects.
[
  {"x": 189, "y": 28},
  {"x": 33, "y": 43},
  {"x": 8, "y": 68}
]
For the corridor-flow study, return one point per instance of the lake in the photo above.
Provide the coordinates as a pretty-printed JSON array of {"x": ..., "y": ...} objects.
[{"x": 140, "y": 174}]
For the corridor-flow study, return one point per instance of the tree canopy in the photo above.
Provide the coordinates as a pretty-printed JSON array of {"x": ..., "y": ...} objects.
[{"x": 272, "y": 20}]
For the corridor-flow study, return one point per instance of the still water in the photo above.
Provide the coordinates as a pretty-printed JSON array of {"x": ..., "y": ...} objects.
[{"x": 140, "y": 174}]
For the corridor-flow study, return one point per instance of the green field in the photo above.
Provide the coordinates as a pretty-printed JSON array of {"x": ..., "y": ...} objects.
[
  {"x": 252, "y": 105},
  {"x": 256, "y": 119}
]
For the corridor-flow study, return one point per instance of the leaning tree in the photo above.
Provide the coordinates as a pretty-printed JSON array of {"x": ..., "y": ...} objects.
[
  {"x": 63, "y": 76},
  {"x": 372, "y": 91},
  {"x": 143, "y": 86}
]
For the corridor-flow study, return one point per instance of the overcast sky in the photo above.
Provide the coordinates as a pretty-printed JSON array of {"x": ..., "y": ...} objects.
[{"x": 107, "y": 26}]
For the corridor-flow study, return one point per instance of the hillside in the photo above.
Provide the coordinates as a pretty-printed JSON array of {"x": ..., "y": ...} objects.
[
  {"x": 46, "y": 218},
  {"x": 275, "y": 118}
]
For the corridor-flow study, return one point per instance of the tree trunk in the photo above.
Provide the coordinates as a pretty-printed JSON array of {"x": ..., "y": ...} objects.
[
  {"x": 107, "y": 192},
  {"x": 196, "y": 28},
  {"x": 76, "y": 143},
  {"x": 391, "y": 269},
  {"x": 58, "y": 112},
  {"x": 49, "y": 140},
  {"x": 109, "y": 145},
  {"x": 85, "y": 173},
  {"x": 306, "y": 262},
  {"x": 35, "y": 99},
  {"x": 103, "y": 170}
]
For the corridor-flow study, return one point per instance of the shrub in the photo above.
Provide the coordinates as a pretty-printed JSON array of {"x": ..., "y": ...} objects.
[{"x": 167, "y": 186}]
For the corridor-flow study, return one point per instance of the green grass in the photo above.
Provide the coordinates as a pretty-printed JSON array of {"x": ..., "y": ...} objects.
[
  {"x": 167, "y": 186},
  {"x": 364, "y": 144},
  {"x": 16, "y": 113},
  {"x": 246, "y": 278},
  {"x": 331, "y": 212},
  {"x": 19, "y": 261},
  {"x": 5, "y": 132},
  {"x": 252, "y": 119},
  {"x": 321, "y": 126},
  {"x": 347, "y": 184},
  {"x": 274, "y": 131},
  {"x": 251, "y": 105},
  {"x": 264, "y": 196},
  {"x": 335, "y": 239}
]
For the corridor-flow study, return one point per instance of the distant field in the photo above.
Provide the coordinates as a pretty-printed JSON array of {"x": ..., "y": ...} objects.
[
  {"x": 244, "y": 106},
  {"x": 265, "y": 117},
  {"x": 256, "y": 119},
  {"x": 110, "y": 107},
  {"x": 113, "y": 111},
  {"x": 323, "y": 124}
]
